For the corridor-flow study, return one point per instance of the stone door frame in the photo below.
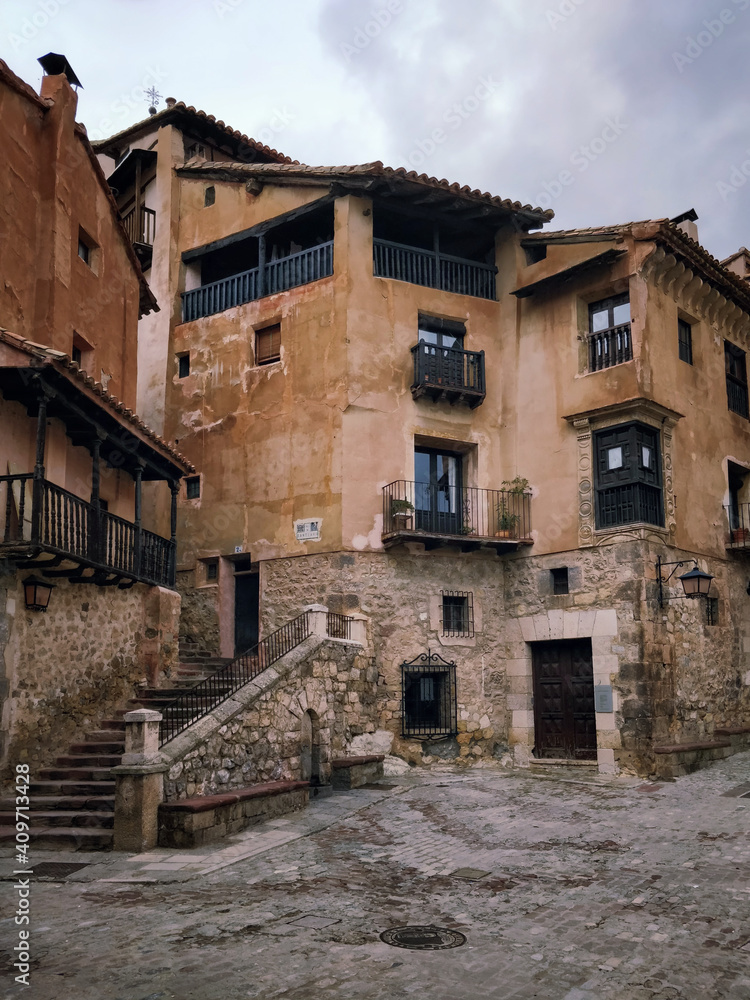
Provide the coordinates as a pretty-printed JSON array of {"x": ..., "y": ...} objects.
[{"x": 599, "y": 625}]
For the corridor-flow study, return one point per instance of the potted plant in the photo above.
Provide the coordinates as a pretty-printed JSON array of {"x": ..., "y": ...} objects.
[
  {"x": 507, "y": 518},
  {"x": 401, "y": 511}
]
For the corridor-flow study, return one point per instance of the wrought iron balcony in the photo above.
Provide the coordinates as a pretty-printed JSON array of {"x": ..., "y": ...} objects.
[
  {"x": 610, "y": 347},
  {"x": 275, "y": 276},
  {"x": 448, "y": 373},
  {"x": 738, "y": 517},
  {"x": 441, "y": 514},
  {"x": 435, "y": 270},
  {"x": 40, "y": 517}
]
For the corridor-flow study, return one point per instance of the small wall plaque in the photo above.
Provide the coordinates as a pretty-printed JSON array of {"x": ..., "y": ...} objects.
[
  {"x": 307, "y": 531},
  {"x": 603, "y": 698}
]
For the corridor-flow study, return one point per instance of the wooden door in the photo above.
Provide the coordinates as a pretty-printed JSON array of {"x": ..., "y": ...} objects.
[
  {"x": 564, "y": 718},
  {"x": 246, "y": 600}
]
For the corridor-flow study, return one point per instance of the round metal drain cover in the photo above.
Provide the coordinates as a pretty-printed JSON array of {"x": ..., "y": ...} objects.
[{"x": 423, "y": 938}]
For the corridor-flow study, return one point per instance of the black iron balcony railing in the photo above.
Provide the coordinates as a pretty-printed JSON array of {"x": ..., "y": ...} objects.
[
  {"x": 448, "y": 373},
  {"x": 738, "y": 517},
  {"x": 425, "y": 267},
  {"x": 39, "y": 514},
  {"x": 275, "y": 276},
  {"x": 468, "y": 514},
  {"x": 737, "y": 395},
  {"x": 140, "y": 226},
  {"x": 610, "y": 347}
]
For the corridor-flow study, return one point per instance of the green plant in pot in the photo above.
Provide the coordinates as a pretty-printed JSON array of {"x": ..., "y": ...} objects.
[
  {"x": 401, "y": 508},
  {"x": 507, "y": 518}
]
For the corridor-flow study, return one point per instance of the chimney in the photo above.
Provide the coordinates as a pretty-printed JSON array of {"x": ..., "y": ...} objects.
[
  {"x": 739, "y": 263},
  {"x": 686, "y": 222},
  {"x": 170, "y": 102},
  {"x": 58, "y": 78}
]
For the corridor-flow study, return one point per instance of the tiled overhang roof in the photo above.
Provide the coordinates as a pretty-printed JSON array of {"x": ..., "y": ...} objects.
[
  {"x": 185, "y": 114},
  {"x": 372, "y": 177},
  {"x": 40, "y": 356}
]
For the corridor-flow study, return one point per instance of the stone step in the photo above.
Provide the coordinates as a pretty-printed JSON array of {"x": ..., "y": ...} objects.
[
  {"x": 88, "y": 760},
  {"x": 109, "y": 725},
  {"x": 87, "y": 788},
  {"x": 74, "y": 773},
  {"x": 59, "y": 838},
  {"x": 43, "y": 803},
  {"x": 99, "y": 746},
  {"x": 678, "y": 759},
  {"x": 64, "y": 817}
]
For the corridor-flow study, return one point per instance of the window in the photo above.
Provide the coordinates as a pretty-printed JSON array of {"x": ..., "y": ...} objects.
[
  {"x": 76, "y": 355},
  {"x": 685, "y": 340},
  {"x": 87, "y": 249},
  {"x": 736, "y": 373},
  {"x": 712, "y": 611},
  {"x": 429, "y": 699},
  {"x": 81, "y": 350},
  {"x": 437, "y": 492},
  {"x": 628, "y": 476},
  {"x": 183, "y": 365},
  {"x": 610, "y": 342},
  {"x": 212, "y": 571},
  {"x": 193, "y": 487},
  {"x": 457, "y": 613},
  {"x": 560, "y": 580},
  {"x": 209, "y": 196},
  {"x": 268, "y": 345}
]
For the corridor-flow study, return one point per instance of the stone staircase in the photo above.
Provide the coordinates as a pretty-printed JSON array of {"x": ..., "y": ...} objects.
[{"x": 72, "y": 803}]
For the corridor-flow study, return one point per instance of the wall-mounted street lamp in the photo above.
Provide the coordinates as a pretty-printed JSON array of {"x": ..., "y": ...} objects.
[
  {"x": 696, "y": 583},
  {"x": 37, "y": 593}
]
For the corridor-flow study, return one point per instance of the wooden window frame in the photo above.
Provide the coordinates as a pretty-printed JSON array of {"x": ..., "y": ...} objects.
[{"x": 267, "y": 355}]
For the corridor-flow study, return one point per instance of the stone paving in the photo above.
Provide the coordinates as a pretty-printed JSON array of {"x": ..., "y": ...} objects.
[{"x": 596, "y": 888}]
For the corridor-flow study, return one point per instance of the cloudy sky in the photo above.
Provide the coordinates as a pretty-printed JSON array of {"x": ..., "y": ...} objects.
[{"x": 603, "y": 110}]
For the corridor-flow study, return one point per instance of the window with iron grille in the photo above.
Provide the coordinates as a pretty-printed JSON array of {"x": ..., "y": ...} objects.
[
  {"x": 457, "y": 613},
  {"x": 429, "y": 698},
  {"x": 193, "y": 487},
  {"x": 268, "y": 344},
  {"x": 628, "y": 476},
  {"x": 712, "y": 611},
  {"x": 560, "y": 580},
  {"x": 736, "y": 373},
  {"x": 685, "y": 340},
  {"x": 610, "y": 342}
]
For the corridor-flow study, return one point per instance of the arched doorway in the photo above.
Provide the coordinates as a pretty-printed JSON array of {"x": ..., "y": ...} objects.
[{"x": 310, "y": 748}]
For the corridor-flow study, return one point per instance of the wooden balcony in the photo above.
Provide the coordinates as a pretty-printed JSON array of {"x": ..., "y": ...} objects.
[
  {"x": 275, "y": 276},
  {"x": 434, "y": 270},
  {"x": 40, "y": 518},
  {"x": 140, "y": 225},
  {"x": 442, "y": 373},
  {"x": 610, "y": 347},
  {"x": 440, "y": 514}
]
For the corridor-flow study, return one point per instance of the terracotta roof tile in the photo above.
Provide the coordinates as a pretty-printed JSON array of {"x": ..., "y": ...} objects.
[
  {"x": 77, "y": 374},
  {"x": 374, "y": 170},
  {"x": 187, "y": 110}
]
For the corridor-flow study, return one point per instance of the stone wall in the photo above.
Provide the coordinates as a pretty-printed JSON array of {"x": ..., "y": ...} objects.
[
  {"x": 199, "y": 614},
  {"x": 65, "y": 670},
  {"x": 262, "y": 739}
]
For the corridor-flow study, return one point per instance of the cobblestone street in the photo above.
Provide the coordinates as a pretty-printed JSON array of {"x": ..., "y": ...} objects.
[{"x": 595, "y": 889}]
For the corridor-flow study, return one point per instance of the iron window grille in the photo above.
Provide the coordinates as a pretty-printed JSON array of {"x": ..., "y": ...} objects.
[
  {"x": 736, "y": 375},
  {"x": 628, "y": 476},
  {"x": 610, "y": 341},
  {"x": 560, "y": 580},
  {"x": 429, "y": 709},
  {"x": 685, "y": 340},
  {"x": 457, "y": 613},
  {"x": 712, "y": 611},
  {"x": 193, "y": 487}
]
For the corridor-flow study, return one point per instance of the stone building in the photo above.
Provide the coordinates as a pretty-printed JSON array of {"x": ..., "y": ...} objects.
[
  {"x": 73, "y": 453},
  {"x": 407, "y": 402}
]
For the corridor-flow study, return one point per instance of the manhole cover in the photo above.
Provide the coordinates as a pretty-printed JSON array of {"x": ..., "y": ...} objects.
[
  {"x": 423, "y": 938},
  {"x": 471, "y": 873},
  {"x": 56, "y": 869}
]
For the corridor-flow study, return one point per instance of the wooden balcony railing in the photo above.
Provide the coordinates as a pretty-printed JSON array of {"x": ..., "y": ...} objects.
[
  {"x": 435, "y": 270},
  {"x": 610, "y": 347},
  {"x": 448, "y": 373},
  {"x": 441, "y": 511},
  {"x": 276, "y": 276},
  {"x": 39, "y": 514},
  {"x": 140, "y": 226}
]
